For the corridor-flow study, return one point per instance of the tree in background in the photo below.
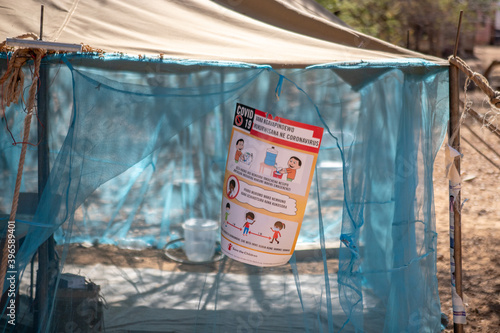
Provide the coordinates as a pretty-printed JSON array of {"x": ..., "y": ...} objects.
[{"x": 430, "y": 24}]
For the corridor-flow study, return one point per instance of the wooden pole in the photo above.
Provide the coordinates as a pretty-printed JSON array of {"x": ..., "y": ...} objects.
[
  {"x": 483, "y": 142},
  {"x": 41, "y": 23},
  {"x": 46, "y": 250},
  {"x": 481, "y": 153},
  {"x": 483, "y": 120},
  {"x": 42, "y": 277},
  {"x": 454, "y": 130},
  {"x": 454, "y": 142}
]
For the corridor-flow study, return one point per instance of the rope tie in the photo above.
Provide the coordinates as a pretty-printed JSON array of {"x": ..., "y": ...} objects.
[
  {"x": 478, "y": 79},
  {"x": 13, "y": 79}
]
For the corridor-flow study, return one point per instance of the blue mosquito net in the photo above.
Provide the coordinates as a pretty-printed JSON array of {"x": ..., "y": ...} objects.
[{"x": 136, "y": 147}]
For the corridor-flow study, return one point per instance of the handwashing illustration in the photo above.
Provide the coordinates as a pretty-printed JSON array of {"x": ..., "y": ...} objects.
[
  {"x": 269, "y": 161},
  {"x": 294, "y": 163},
  {"x": 246, "y": 158},
  {"x": 271, "y": 155},
  {"x": 241, "y": 156}
]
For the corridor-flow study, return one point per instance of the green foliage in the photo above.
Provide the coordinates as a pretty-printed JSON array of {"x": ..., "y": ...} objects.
[
  {"x": 431, "y": 24},
  {"x": 378, "y": 18}
]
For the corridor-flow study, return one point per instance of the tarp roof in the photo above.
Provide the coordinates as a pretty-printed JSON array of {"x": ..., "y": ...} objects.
[{"x": 292, "y": 33}]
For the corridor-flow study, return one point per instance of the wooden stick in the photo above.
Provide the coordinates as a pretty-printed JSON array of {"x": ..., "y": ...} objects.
[
  {"x": 458, "y": 34},
  {"x": 41, "y": 23},
  {"x": 45, "y": 252},
  {"x": 480, "y": 153},
  {"x": 482, "y": 141},
  {"x": 483, "y": 120},
  {"x": 454, "y": 141},
  {"x": 488, "y": 70},
  {"x": 454, "y": 135}
]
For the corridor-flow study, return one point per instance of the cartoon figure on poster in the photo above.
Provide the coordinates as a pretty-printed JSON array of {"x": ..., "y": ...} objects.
[
  {"x": 231, "y": 193},
  {"x": 294, "y": 163},
  {"x": 278, "y": 226},
  {"x": 228, "y": 209},
  {"x": 249, "y": 220},
  {"x": 240, "y": 156},
  {"x": 240, "y": 144}
]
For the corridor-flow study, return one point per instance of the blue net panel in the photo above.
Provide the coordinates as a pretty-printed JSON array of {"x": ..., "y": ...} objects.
[{"x": 135, "y": 148}]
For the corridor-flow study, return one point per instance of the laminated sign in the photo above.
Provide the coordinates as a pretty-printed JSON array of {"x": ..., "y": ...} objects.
[{"x": 269, "y": 171}]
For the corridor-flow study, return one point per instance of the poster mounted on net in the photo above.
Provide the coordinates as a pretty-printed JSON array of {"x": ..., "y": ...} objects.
[{"x": 269, "y": 170}]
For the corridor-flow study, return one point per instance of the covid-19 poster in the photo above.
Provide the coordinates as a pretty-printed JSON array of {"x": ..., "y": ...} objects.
[{"x": 269, "y": 170}]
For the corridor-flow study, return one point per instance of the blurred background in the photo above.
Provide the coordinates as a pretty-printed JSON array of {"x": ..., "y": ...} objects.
[{"x": 427, "y": 26}]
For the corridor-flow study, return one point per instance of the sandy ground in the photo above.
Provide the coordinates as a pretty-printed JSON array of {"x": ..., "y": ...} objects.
[
  {"x": 480, "y": 215},
  {"x": 480, "y": 223}
]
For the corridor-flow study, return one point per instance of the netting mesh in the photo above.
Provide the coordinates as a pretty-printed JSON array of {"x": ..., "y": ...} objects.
[{"x": 134, "y": 153}]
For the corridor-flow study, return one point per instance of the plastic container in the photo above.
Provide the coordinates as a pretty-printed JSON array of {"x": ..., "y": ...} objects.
[
  {"x": 271, "y": 155},
  {"x": 200, "y": 236}
]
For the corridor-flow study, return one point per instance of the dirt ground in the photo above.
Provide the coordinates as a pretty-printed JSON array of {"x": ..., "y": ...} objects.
[
  {"x": 480, "y": 221},
  {"x": 480, "y": 214}
]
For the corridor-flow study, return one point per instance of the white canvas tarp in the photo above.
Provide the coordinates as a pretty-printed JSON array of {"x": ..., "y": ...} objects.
[{"x": 285, "y": 33}]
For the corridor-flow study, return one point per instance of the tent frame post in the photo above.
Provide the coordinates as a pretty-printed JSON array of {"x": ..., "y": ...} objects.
[
  {"x": 454, "y": 130},
  {"x": 454, "y": 142},
  {"x": 46, "y": 251}
]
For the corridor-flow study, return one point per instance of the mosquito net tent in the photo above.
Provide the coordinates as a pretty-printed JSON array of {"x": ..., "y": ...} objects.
[{"x": 133, "y": 141}]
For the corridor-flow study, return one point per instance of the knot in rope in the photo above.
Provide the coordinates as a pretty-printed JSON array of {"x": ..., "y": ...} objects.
[
  {"x": 14, "y": 76},
  {"x": 496, "y": 99},
  {"x": 478, "y": 79}
]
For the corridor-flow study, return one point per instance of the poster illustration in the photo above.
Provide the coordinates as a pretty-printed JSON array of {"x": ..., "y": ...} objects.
[{"x": 269, "y": 170}]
